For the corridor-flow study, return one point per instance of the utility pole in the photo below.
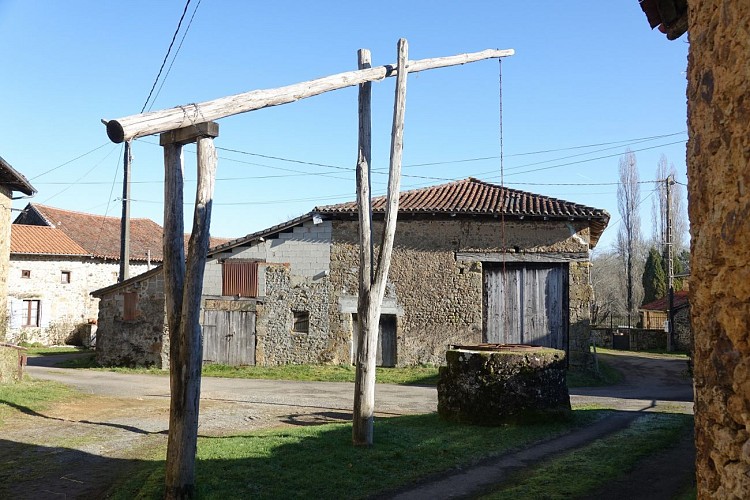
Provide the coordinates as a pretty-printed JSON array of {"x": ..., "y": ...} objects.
[
  {"x": 125, "y": 219},
  {"x": 670, "y": 265}
]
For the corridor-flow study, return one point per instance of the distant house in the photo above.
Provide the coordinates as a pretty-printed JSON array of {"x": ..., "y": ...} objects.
[
  {"x": 473, "y": 262},
  {"x": 10, "y": 181},
  {"x": 57, "y": 258},
  {"x": 654, "y": 316}
]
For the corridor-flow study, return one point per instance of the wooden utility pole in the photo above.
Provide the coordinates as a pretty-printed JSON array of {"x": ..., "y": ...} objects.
[
  {"x": 125, "y": 219},
  {"x": 183, "y": 284},
  {"x": 670, "y": 266}
]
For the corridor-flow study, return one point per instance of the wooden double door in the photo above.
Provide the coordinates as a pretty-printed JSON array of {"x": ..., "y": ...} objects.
[
  {"x": 229, "y": 337},
  {"x": 386, "y": 354},
  {"x": 526, "y": 303}
]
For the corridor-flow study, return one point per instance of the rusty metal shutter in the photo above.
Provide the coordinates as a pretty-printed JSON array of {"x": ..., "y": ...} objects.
[
  {"x": 130, "y": 306},
  {"x": 239, "y": 278}
]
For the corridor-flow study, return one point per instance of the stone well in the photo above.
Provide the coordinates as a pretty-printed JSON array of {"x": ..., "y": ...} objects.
[{"x": 492, "y": 384}]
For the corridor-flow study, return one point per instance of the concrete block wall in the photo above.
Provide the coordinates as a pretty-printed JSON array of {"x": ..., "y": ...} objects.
[{"x": 306, "y": 249}]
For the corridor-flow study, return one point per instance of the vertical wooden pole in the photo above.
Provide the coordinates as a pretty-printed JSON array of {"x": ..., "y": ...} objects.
[
  {"x": 184, "y": 309},
  {"x": 174, "y": 279},
  {"x": 361, "y": 419},
  {"x": 125, "y": 219},
  {"x": 364, "y": 402}
]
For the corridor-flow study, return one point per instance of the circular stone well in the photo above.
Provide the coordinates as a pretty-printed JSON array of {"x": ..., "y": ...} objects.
[{"x": 495, "y": 384}]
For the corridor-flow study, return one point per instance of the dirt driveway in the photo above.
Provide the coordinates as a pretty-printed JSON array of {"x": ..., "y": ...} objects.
[{"x": 77, "y": 448}]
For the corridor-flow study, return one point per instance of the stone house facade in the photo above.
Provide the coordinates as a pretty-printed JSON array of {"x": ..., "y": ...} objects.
[
  {"x": 57, "y": 257},
  {"x": 10, "y": 181},
  {"x": 295, "y": 285}
]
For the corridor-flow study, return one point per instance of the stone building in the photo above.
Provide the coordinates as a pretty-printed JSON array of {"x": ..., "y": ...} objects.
[
  {"x": 57, "y": 257},
  {"x": 718, "y": 159},
  {"x": 10, "y": 181},
  {"x": 463, "y": 271}
]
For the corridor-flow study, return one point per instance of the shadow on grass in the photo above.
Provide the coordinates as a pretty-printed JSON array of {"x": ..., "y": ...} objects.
[{"x": 319, "y": 461}]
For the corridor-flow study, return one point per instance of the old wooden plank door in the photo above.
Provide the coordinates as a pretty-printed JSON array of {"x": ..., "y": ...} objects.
[
  {"x": 229, "y": 337},
  {"x": 386, "y": 351},
  {"x": 526, "y": 303}
]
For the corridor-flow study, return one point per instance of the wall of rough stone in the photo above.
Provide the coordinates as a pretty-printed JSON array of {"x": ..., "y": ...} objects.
[
  {"x": 439, "y": 297},
  {"x": 65, "y": 306},
  {"x": 143, "y": 341},
  {"x": 276, "y": 342},
  {"x": 5, "y": 220},
  {"x": 719, "y": 208},
  {"x": 683, "y": 331}
]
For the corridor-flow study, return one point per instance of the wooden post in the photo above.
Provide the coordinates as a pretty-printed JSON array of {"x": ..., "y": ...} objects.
[
  {"x": 361, "y": 420},
  {"x": 155, "y": 122},
  {"x": 364, "y": 396},
  {"x": 125, "y": 219},
  {"x": 184, "y": 287}
]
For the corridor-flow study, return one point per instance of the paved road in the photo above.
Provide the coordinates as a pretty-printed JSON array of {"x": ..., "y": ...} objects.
[{"x": 649, "y": 381}]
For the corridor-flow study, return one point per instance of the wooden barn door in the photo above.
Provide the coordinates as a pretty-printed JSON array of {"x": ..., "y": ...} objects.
[
  {"x": 526, "y": 303},
  {"x": 229, "y": 337},
  {"x": 386, "y": 354}
]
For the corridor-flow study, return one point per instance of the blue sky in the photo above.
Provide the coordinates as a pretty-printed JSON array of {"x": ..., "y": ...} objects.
[{"x": 585, "y": 73}]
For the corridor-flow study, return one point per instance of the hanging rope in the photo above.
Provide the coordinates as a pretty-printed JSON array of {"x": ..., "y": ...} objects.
[{"x": 503, "y": 202}]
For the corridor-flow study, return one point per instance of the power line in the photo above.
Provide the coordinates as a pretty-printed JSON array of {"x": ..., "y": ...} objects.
[
  {"x": 70, "y": 161},
  {"x": 174, "y": 58},
  {"x": 166, "y": 56}
]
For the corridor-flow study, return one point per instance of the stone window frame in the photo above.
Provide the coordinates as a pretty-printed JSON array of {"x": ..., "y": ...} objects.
[
  {"x": 32, "y": 316},
  {"x": 66, "y": 277},
  {"x": 26, "y": 273},
  {"x": 300, "y": 321}
]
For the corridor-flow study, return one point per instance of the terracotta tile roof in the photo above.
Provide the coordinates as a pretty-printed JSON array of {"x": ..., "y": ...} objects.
[
  {"x": 10, "y": 177},
  {"x": 98, "y": 234},
  {"x": 475, "y": 197},
  {"x": 42, "y": 240},
  {"x": 662, "y": 304}
]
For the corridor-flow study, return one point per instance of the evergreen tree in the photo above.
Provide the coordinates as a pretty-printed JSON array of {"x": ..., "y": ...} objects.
[{"x": 654, "y": 277}]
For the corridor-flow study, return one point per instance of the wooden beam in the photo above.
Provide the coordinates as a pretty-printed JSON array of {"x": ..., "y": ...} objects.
[
  {"x": 189, "y": 134},
  {"x": 155, "y": 122}
]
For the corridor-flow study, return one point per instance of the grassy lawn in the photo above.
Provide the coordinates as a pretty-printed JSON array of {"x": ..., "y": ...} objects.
[
  {"x": 320, "y": 462},
  {"x": 30, "y": 396},
  {"x": 587, "y": 469},
  {"x": 413, "y": 375}
]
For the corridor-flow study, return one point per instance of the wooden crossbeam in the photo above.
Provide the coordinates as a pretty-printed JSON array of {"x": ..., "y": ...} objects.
[{"x": 156, "y": 122}]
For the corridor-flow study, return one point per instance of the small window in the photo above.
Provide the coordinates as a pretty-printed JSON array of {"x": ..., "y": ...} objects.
[
  {"x": 130, "y": 306},
  {"x": 26, "y": 273},
  {"x": 65, "y": 277},
  {"x": 31, "y": 312},
  {"x": 301, "y": 322}
]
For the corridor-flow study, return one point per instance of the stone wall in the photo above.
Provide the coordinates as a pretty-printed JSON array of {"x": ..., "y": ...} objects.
[
  {"x": 5, "y": 206},
  {"x": 683, "y": 331},
  {"x": 64, "y": 306},
  {"x": 719, "y": 208},
  {"x": 439, "y": 297},
  {"x": 276, "y": 342},
  {"x": 142, "y": 341}
]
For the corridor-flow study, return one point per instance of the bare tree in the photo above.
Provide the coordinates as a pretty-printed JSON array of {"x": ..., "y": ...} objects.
[
  {"x": 629, "y": 239},
  {"x": 680, "y": 225},
  {"x": 608, "y": 304}
]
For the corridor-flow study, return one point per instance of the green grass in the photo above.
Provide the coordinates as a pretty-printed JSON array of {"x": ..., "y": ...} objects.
[
  {"x": 320, "y": 461},
  {"x": 607, "y": 376},
  {"x": 30, "y": 395},
  {"x": 52, "y": 351},
  {"x": 587, "y": 469}
]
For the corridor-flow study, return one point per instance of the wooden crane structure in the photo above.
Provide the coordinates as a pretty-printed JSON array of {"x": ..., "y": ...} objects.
[{"x": 183, "y": 278}]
